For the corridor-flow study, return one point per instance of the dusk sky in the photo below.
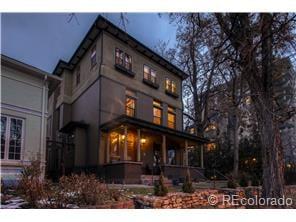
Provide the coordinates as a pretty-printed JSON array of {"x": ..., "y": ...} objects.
[{"x": 42, "y": 39}]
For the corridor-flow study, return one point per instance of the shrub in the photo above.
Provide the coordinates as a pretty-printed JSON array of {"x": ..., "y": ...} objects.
[
  {"x": 159, "y": 188},
  {"x": 231, "y": 183},
  {"x": 243, "y": 182},
  {"x": 187, "y": 185},
  {"x": 31, "y": 185},
  {"x": 87, "y": 190}
]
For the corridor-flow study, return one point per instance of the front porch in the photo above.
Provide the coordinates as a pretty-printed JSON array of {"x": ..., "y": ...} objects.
[{"x": 135, "y": 147}]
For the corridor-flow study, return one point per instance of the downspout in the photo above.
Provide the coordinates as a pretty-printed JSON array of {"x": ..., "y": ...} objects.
[{"x": 42, "y": 132}]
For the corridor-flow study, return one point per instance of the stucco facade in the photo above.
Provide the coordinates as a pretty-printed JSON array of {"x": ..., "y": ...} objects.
[
  {"x": 92, "y": 100},
  {"x": 24, "y": 92}
]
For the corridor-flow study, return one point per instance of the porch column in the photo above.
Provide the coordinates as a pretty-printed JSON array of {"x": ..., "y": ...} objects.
[
  {"x": 201, "y": 157},
  {"x": 164, "y": 149},
  {"x": 108, "y": 148},
  {"x": 138, "y": 145},
  {"x": 186, "y": 154},
  {"x": 125, "y": 144}
]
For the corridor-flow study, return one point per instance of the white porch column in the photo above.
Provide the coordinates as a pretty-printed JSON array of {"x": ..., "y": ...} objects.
[
  {"x": 125, "y": 144},
  {"x": 186, "y": 154},
  {"x": 138, "y": 145},
  {"x": 108, "y": 148},
  {"x": 164, "y": 149},
  {"x": 201, "y": 157}
]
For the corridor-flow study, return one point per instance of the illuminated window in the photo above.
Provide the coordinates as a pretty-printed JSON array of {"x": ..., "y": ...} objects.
[
  {"x": 192, "y": 130},
  {"x": 170, "y": 85},
  {"x": 11, "y": 138},
  {"x": 115, "y": 146},
  {"x": 78, "y": 76},
  {"x": 171, "y": 118},
  {"x": 130, "y": 106},
  {"x": 211, "y": 146},
  {"x": 157, "y": 112},
  {"x": 93, "y": 57},
  {"x": 211, "y": 127},
  {"x": 123, "y": 59},
  {"x": 149, "y": 74}
]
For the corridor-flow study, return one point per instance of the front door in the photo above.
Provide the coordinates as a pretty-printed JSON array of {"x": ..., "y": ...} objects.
[{"x": 156, "y": 158}]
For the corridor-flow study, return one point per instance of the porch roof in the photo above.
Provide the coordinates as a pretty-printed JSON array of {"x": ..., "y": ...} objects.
[{"x": 148, "y": 125}]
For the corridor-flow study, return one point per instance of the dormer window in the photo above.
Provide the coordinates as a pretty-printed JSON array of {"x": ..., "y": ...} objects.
[
  {"x": 123, "y": 59},
  {"x": 93, "y": 57}
]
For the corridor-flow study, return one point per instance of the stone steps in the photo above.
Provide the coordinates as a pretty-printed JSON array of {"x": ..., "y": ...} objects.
[{"x": 150, "y": 179}]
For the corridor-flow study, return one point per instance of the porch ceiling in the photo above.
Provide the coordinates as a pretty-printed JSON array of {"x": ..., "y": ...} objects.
[{"x": 121, "y": 120}]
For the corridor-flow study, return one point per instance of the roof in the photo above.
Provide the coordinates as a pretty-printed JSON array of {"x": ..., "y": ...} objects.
[
  {"x": 102, "y": 24},
  {"x": 123, "y": 119},
  {"x": 31, "y": 70}
]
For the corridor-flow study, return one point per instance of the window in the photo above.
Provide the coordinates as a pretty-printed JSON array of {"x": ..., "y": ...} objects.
[
  {"x": 170, "y": 86},
  {"x": 149, "y": 74},
  {"x": 157, "y": 112},
  {"x": 130, "y": 106},
  {"x": 3, "y": 135},
  {"x": 171, "y": 117},
  {"x": 123, "y": 59},
  {"x": 78, "y": 76},
  {"x": 93, "y": 57},
  {"x": 11, "y": 138}
]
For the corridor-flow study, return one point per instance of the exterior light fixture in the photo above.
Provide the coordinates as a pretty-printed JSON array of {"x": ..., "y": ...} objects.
[
  {"x": 122, "y": 137},
  {"x": 289, "y": 165},
  {"x": 143, "y": 140}
]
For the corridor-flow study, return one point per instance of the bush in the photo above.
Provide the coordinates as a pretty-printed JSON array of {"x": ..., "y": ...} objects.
[
  {"x": 231, "y": 182},
  {"x": 31, "y": 185},
  {"x": 187, "y": 185},
  {"x": 159, "y": 188},
  {"x": 243, "y": 182}
]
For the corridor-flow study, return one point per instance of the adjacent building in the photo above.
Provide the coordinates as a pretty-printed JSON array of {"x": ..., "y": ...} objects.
[
  {"x": 24, "y": 96},
  {"x": 118, "y": 111}
]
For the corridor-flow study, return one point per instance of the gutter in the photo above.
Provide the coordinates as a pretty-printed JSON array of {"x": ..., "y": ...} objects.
[{"x": 42, "y": 132}]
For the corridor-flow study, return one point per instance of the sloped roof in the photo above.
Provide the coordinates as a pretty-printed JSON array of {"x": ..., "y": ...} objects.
[{"x": 102, "y": 24}]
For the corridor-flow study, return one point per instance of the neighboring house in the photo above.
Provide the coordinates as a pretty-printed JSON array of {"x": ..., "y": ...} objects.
[
  {"x": 24, "y": 93},
  {"x": 119, "y": 109}
]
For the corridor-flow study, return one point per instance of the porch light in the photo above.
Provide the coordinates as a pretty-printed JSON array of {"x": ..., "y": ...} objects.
[
  {"x": 254, "y": 159},
  {"x": 289, "y": 165},
  {"x": 143, "y": 140},
  {"x": 122, "y": 137}
]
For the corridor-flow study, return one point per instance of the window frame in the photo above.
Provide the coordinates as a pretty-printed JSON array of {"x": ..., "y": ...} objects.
[
  {"x": 7, "y": 138},
  {"x": 123, "y": 62},
  {"x": 78, "y": 74},
  {"x": 93, "y": 56},
  {"x": 154, "y": 81},
  {"x": 159, "y": 107},
  {"x": 126, "y": 107},
  {"x": 171, "y": 111},
  {"x": 169, "y": 83}
]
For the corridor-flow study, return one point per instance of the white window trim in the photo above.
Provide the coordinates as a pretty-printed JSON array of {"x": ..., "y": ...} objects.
[{"x": 7, "y": 136}]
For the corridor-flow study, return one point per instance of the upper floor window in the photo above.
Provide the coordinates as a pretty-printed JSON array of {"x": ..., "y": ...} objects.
[
  {"x": 170, "y": 86},
  {"x": 171, "y": 117},
  {"x": 11, "y": 137},
  {"x": 149, "y": 74},
  {"x": 157, "y": 112},
  {"x": 93, "y": 56},
  {"x": 123, "y": 59},
  {"x": 130, "y": 106},
  {"x": 78, "y": 76}
]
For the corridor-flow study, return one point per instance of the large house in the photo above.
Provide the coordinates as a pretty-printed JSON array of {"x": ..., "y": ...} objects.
[
  {"x": 24, "y": 93},
  {"x": 118, "y": 111}
]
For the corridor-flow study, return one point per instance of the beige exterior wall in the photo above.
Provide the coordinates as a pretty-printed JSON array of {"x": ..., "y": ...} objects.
[{"x": 22, "y": 97}]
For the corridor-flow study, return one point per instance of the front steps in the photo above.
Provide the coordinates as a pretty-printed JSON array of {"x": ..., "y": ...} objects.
[{"x": 149, "y": 180}]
